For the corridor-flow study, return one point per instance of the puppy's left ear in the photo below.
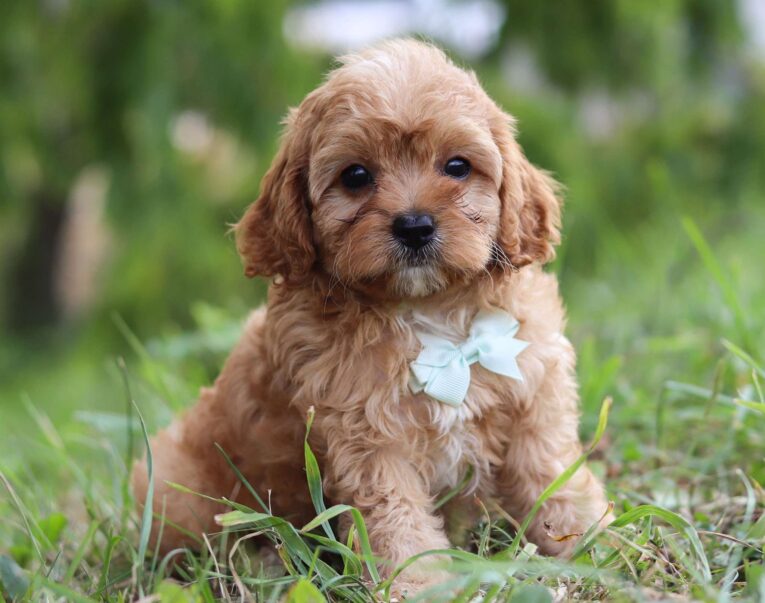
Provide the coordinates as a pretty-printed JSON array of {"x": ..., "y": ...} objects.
[
  {"x": 274, "y": 237},
  {"x": 531, "y": 203}
]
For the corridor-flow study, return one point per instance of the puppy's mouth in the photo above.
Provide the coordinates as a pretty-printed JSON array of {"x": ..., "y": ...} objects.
[
  {"x": 424, "y": 256},
  {"x": 418, "y": 281},
  {"x": 418, "y": 271}
]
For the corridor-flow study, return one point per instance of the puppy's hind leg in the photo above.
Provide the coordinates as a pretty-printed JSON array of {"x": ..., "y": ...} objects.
[
  {"x": 262, "y": 436},
  {"x": 267, "y": 451},
  {"x": 185, "y": 454}
]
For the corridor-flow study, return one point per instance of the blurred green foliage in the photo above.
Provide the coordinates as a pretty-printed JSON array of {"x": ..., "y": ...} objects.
[
  {"x": 646, "y": 111},
  {"x": 101, "y": 84}
]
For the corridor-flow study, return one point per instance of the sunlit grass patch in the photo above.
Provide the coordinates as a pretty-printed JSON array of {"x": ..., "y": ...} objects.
[
  {"x": 683, "y": 459},
  {"x": 701, "y": 539}
]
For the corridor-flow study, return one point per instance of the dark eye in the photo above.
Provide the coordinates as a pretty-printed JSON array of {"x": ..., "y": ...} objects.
[
  {"x": 355, "y": 177},
  {"x": 457, "y": 167}
]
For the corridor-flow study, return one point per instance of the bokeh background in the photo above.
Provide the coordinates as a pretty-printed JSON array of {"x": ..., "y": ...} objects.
[{"x": 133, "y": 132}]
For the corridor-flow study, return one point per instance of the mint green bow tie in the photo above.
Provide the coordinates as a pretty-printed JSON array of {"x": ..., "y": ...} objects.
[{"x": 442, "y": 370}]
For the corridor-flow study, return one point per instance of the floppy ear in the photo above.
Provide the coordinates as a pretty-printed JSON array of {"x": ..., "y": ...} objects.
[
  {"x": 274, "y": 236},
  {"x": 530, "y": 211}
]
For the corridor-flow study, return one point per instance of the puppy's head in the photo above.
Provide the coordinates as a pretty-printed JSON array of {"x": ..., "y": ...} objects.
[{"x": 399, "y": 175}]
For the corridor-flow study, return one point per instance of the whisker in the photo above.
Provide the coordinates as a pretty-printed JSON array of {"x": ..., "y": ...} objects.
[{"x": 499, "y": 257}]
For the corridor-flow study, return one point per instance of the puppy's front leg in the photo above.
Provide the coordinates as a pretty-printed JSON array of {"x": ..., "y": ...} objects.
[
  {"x": 543, "y": 443},
  {"x": 384, "y": 484}
]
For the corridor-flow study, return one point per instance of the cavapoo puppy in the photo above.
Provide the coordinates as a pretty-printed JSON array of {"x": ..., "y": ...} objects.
[{"x": 405, "y": 233}]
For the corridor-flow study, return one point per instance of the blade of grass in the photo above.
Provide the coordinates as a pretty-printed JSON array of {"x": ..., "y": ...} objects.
[
  {"x": 80, "y": 552},
  {"x": 680, "y": 556},
  {"x": 152, "y": 373},
  {"x": 293, "y": 541},
  {"x": 325, "y": 516},
  {"x": 158, "y": 540},
  {"x": 676, "y": 521},
  {"x": 703, "y": 392},
  {"x": 161, "y": 572},
  {"x": 148, "y": 505},
  {"x": 360, "y": 592},
  {"x": 350, "y": 559},
  {"x": 723, "y": 280},
  {"x": 366, "y": 547},
  {"x": 129, "y": 452},
  {"x": 737, "y": 351},
  {"x": 313, "y": 475},
  {"x": 757, "y": 386},
  {"x": 64, "y": 591},
  {"x": 758, "y": 406},
  {"x": 294, "y": 545},
  {"x": 349, "y": 544},
  {"x": 106, "y": 563},
  {"x": 54, "y": 439},
  {"x": 492, "y": 592},
  {"x": 242, "y": 479}
]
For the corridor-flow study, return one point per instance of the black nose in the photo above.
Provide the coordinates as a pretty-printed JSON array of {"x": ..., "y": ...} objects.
[{"x": 414, "y": 230}]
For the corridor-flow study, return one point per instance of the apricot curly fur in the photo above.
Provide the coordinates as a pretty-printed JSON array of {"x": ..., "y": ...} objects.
[{"x": 338, "y": 330}]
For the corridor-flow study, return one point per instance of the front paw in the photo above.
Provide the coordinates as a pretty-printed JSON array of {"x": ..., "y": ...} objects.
[
  {"x": 410, "y": 585},
  {"x": 427, "y": 576},
  {"x": 562, "y": 545}
]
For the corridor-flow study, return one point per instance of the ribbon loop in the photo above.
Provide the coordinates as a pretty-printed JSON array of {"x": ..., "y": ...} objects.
[{"x": 442, "y": 369}]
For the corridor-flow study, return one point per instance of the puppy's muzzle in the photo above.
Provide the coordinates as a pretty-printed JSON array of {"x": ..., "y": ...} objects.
[{"x": 414, "y": 231}]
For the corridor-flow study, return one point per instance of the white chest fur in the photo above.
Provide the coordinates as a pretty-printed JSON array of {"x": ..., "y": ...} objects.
[{"x": 457, "y": 445}]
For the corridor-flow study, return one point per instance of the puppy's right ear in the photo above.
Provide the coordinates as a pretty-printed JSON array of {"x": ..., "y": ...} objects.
[{"x": 275, "y": 235}]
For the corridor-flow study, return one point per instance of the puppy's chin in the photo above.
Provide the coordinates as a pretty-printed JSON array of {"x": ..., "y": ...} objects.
[{"x": 417, "y": 281}]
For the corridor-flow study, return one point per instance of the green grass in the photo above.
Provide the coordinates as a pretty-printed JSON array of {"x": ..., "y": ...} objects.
[{"x": 674, "y": 340}]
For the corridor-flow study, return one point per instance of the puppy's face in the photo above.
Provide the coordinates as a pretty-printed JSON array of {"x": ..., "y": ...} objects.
[
  {"x": 399, "y": 176},
  {"x": 405, "y": 190}
]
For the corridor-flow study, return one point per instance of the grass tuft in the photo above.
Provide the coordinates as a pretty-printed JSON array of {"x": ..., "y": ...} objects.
[{"x": 681, "y": 452}]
